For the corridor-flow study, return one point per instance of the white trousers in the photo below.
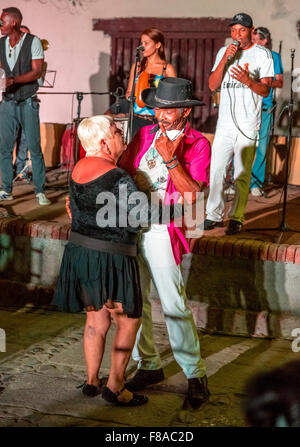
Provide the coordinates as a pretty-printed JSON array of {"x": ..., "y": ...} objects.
[
  {"x": 156, "y": 261},
  {"x": 228, "y": 143}
]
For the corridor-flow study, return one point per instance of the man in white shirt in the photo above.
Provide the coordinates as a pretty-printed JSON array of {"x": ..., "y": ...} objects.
[{"x": 243, "y": 71}]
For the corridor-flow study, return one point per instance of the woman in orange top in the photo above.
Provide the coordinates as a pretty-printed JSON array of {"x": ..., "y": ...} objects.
[{"x": 150, "y": 70}]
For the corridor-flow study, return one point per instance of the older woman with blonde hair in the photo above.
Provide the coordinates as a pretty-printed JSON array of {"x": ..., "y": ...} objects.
[{"x": 99, "y": 270}]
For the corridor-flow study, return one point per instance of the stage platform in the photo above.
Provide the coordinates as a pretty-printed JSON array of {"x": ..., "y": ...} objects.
[
  {"x": 246, "y": 284},
  {"x": 27, "y": 217}
]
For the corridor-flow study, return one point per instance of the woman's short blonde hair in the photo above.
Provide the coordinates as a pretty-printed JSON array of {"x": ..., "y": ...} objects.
[{"x": 91, "y": 130}]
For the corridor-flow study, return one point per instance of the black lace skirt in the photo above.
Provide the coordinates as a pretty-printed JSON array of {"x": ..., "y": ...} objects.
[{"x": 89, "y": 278}]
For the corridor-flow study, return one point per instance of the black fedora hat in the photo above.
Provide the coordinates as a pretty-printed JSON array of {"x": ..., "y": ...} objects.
[{"x": 170, "y": 93}]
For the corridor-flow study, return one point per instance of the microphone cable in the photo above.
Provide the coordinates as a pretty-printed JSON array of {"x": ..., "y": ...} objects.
[
  {"x": 234, "y": 119},
  {"x": 232, "y": 111}
]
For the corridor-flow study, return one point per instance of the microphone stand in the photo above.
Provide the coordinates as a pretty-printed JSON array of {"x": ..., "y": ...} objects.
[
  {"x": 283, "y": 227},
  {"x": 79, "y": 97},
  {"x": 132, "y": 97},
  {"x": 270, "y": 158}
]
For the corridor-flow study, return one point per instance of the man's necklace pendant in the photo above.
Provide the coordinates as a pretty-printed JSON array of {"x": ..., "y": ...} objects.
[{"x": 151, "y": 163}]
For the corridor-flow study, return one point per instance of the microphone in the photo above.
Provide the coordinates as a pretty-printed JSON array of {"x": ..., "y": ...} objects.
[
  {"x": 237, "y": 44},
  {"x": 140, "y": 48}
]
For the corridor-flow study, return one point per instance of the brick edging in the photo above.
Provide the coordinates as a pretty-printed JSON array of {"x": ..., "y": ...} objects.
[
  {"x": 227, "y": 247},
  {"x": 37, "y": 228},
  {"x": 230, "y": 247}
]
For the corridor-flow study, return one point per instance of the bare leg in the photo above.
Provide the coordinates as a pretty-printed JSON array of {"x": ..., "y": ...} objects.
[
  {"x": 121, "y": 350},
  {"x": 96, "y": 328}
]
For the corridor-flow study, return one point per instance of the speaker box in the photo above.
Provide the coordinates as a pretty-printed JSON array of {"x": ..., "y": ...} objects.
[
  {"x": 278, "y": 154},
  {"x": 51, "y": 136}
]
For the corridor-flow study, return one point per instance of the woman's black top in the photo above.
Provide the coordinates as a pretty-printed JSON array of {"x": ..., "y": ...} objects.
[{"x": 104, "y": 199}]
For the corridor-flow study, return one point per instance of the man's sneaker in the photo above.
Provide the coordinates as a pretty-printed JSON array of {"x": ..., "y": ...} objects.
[
  {"x": 143, "y": 378},
  {"x": 257, "y": 192},
  {"x": 198, "y": 391},
  {"x": 211, "y": 224},
  {"x": 229, "y": 190},
  {"x": 5, "y": 195},
  {"x": 42, "y": 199},
  {"x": 234, "y": 227}
]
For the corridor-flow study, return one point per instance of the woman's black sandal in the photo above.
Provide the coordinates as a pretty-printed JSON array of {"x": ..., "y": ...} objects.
[
  {"x": 109, "y": 396},
  {"x": 91, "y": 390}
]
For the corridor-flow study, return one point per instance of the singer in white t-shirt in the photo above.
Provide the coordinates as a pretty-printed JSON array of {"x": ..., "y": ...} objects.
[{"x": 243, "y": 71}]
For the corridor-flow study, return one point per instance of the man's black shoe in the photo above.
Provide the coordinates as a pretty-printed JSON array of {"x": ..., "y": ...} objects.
[
  {"x": 211, "y": 224},
  {"x": 198, "y": 391},
  {"x": 144, "y": 378},
  {"x": 234, "y": 227}
]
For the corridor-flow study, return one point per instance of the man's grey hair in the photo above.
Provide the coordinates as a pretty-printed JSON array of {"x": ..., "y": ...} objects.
[{"x": 264, "y": 33}]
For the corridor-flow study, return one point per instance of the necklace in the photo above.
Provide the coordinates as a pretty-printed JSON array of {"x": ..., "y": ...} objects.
[
  {"x": 10, "y": 48},
  {"x": 151, "y": 157}
]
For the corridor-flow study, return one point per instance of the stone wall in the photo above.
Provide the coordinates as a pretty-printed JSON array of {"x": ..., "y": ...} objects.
[{"x": 239, "y": 287}]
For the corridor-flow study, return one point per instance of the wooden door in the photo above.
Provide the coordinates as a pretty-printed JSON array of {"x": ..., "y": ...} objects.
[{"x": 191, "y": 46}]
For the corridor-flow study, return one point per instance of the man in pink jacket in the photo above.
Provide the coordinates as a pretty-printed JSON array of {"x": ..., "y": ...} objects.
[{"x": 168, "y": 160}]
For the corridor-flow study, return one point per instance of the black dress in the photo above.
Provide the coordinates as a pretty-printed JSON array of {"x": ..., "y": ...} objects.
[{"x": 89, "y": 277}]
